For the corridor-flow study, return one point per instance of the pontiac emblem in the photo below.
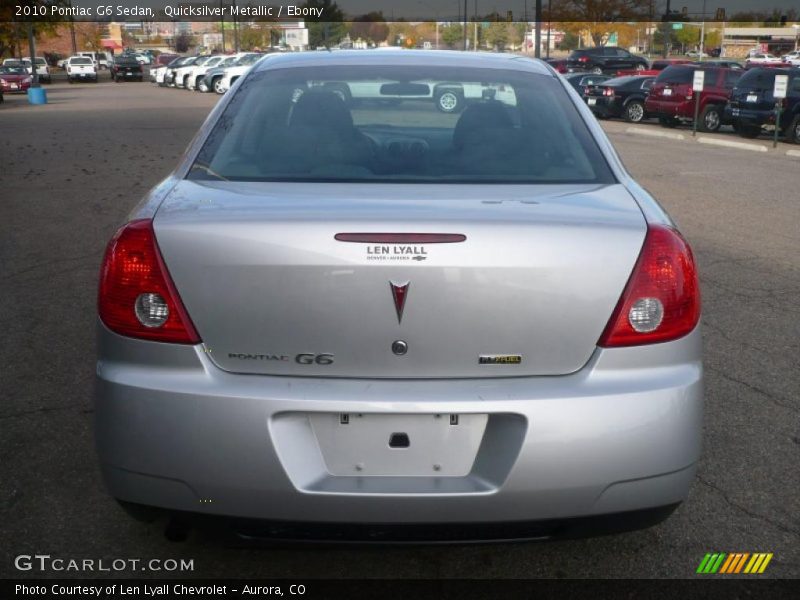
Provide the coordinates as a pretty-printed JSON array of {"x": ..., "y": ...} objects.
[{"x": 399, "y": 293}]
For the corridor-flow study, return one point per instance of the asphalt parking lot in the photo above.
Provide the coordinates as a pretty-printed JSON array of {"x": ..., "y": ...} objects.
[{"x": 73, "y": 169}]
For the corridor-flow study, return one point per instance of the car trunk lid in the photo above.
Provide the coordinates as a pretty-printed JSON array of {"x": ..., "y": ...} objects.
[{"x": 272, "y": 291}]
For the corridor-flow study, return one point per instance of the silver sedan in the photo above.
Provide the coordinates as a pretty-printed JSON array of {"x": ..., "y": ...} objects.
[{"x": 441, "y": 309}]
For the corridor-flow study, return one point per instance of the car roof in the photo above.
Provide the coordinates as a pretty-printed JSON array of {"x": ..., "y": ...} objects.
[{"x": 438, "y": 58}]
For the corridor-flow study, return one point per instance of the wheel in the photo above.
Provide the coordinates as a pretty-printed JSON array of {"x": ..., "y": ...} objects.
[
  {"x": 670, "y": 122},
  {"x": 710, "y": 119},
  {"x": 70, "y": 80},
  {"x": 217, "y": 85},
  {"x": 749, "y": 131},
  {"x": 597, "y": 71},
  {"x": 186, "y": 82},
  {"x": 793, "y": 133},
  {"x": 140, "y": 79},
  {"x": 197, "y": 81},
  {"x": 449, "y": 100},
  {"x": 634, "y": 111}
]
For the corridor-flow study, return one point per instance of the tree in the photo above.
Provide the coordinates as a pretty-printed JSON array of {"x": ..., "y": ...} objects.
[
  {"x": 569, "y": 41},
  {"x": 496, "y": 35},
  {"x": 250, "y": 37},
  {"x": 328, "y": 29},
  {"x": 371, "y": 27},
  {"x": 182, "y": 42},
  {"x": 688, "y": 36},
  {"x": 14, "y": 34},
  {"x": 599, "y": 17},
  {"x": 452, "y": 35}
]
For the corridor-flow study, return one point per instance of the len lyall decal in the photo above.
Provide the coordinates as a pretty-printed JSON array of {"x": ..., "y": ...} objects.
[{"x": 722, "y": 563}]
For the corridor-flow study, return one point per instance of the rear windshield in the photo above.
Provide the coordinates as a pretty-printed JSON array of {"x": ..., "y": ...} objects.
[
  {"x": 759, "y": 79},
  {"x": 80, "y": 61},
  {"x": 399, "y": 124},
  {"x": 675, "y": 74}
]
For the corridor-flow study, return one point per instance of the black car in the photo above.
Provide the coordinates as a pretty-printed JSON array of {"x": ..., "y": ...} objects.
[
  {"x": 752, "y": 104},
  {"x": 620, "y": 97},
  {"x": 581, "y": 81},
  {"x": 126, "y": 68},
  {"x": 727, "y": 64},
  {"x": 605, "y": 59}
]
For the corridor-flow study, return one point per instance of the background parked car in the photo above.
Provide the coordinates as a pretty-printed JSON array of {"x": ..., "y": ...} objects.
[
  {"x": 214, "y": 75},
  {"x": 752, "y": 104},
  {"x": 581, "y": 81},
  {"x": 792, "y": 58},
  {"x": 620, "y": 97},
  {"x": 81, "y": 68},
  {"x": 672, "y": 98},
  {"x": 233, "y": 73},
  {"x": 762, "y": 59},
  {"x": 14, "y": 78},
  {"x": 559, "y": 64},
  {"x": 42, "y": 70},
  {"x": 197, "y": 71},
  {"x": 101, "y": 59},
  {"x": 126, "y": 68},
  {"x": 728, "y": 64},
  {"x": 662, "y": 63},
  {"x": 605, "y": 59},
  {"x": 185, "y": 72},
  {"x": 172, "y": 68}
]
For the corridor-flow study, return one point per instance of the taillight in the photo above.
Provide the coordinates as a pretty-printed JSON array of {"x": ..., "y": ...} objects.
[
  {"x": 136, "y": 296},
  {"x": 661, "y": 301},
  {"x": 583, "y": 59},
  {"x": 586, "y": 90},
  {"x": 608, "y": 92}
]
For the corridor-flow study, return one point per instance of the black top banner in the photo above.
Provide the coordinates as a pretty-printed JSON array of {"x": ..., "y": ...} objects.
[{"x": 778, "y": 12}]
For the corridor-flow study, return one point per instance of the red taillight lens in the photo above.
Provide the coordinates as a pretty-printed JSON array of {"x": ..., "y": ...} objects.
[
  {"x": 608, "y": 92},
  {"x": 586, "y": 90},
  {"x": 136, "y": 296},
  {"x": 583, "y": 59},
  {"x": 662, "y": 299}
]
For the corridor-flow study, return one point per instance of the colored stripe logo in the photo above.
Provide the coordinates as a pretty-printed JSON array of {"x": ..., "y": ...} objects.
[{"x": 734, "y": 563}]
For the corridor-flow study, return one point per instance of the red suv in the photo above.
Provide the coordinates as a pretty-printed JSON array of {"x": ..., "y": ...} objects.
[{"x": 672, "y": 100}]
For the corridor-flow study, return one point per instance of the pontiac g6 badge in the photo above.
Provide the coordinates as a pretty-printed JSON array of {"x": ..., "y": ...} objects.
[
  {"x": 399, "y": 293},
  {"x": 500, "y": 359}
]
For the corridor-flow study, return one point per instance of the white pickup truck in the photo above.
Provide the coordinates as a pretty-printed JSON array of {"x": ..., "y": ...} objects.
[
  {"x": 42, "y": 70},
  {"x": 447, "y": 97},
  {"x": 81, "y": 68}
]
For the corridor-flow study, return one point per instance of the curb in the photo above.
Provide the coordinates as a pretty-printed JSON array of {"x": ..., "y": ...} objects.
[
  {"x": 661, "y": 134},
  {"x": 730, "y": 144},
  {"x": 795, "y": 153}
]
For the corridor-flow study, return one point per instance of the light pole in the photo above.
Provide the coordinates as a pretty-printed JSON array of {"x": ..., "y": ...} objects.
[
  {"x": 703, "y": 33},
  {"x": 537, "y": 51},
  {"x": 796, "y": 28}
]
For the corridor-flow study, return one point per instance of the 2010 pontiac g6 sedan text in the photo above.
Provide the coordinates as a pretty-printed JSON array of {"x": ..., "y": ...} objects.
[{"x": 401, "y": 295}]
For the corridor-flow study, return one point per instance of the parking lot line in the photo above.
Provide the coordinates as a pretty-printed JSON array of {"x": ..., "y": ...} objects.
[
  {"x": 731, "y": 144},
  {"x": 655, "y": 133}
]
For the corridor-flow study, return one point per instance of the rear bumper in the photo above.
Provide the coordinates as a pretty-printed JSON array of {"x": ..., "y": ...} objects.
[
  {"x": 604, "y": 108},
  {"x": 622, "y": 434},
  {"x": 681, "y": 110},
  {"x": 750, "y": 117}
]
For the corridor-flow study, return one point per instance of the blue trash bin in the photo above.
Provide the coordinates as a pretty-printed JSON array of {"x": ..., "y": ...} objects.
[{"x": 37, "y": 95}]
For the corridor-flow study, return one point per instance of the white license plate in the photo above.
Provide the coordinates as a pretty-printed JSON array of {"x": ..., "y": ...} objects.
[
  {"x": 13, "y": 86},
  {"x": 752, "y": 98},
  {"x": 592, "y": 101},
  {"x": 399, "y": 445},
  {"x": 667, "y": 92},
  {"x": 128, "y": 74}
]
